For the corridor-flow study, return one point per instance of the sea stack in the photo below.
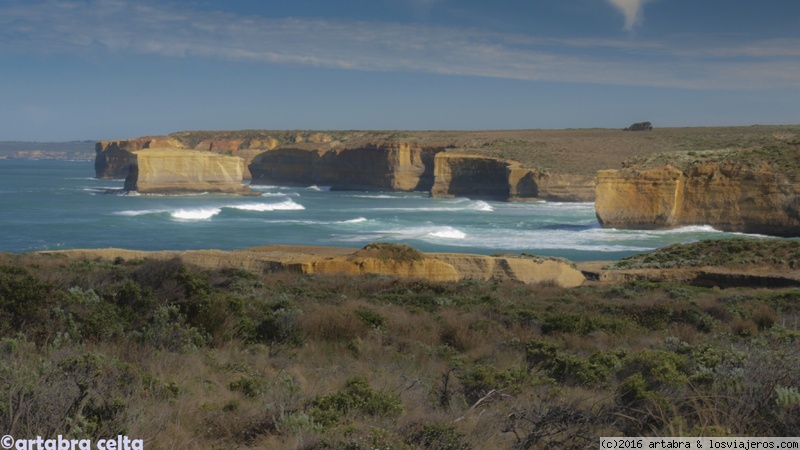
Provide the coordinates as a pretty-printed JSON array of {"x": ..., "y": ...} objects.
[{"x": 174, "y": 170}]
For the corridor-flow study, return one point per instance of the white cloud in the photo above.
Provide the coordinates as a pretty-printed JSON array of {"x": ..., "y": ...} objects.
[
  {"x": 92, "y": 27},
  {"x": 631, "y": 9}
]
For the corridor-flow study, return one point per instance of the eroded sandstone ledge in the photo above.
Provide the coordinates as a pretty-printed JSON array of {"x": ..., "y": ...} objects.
[{"x": 348, "y": 261}]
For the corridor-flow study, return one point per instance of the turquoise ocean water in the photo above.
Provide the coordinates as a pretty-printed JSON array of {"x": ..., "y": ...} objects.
[{"x": 48, "y": 205}]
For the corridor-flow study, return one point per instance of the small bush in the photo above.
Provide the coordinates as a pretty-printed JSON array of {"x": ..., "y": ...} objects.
[
  {"x": 357, "y": 397},
  {"x": 437, "y": 437}
]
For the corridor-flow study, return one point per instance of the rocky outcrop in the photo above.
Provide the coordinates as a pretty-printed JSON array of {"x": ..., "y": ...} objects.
[
  {"x": 730, "y": 196},
  {"x": 333, "y": 260},
  {"x": 171, "y": 170},
  {"x": 534, "y": 270}
]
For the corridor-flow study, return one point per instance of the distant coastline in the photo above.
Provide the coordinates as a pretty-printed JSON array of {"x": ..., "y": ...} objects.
[{"x": 62, "y": 151}]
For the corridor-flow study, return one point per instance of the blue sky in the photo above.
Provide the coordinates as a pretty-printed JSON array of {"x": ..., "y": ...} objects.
[{"x": 113, "y": 69}]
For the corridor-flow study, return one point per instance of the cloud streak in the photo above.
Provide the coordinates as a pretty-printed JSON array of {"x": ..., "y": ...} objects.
[{"x": 87, "y": 28}]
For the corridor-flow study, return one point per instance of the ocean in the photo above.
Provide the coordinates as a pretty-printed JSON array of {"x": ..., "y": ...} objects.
[{"x": 54, "y": 205}]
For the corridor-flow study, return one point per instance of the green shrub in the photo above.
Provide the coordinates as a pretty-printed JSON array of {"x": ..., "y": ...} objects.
[
  {"x": 168, "y": 330},
  {"x": 394, "y": 252},
  {"x": 658, "y": 367},
  {"x": 583, "y": 324},
  {"x": 357, "y": 397},
  {"x": 479, "y": 380},
  {"x": 250, "y": 386},
  {"x": 371, "y": 318},
  {"x": 438, "y": 437}
]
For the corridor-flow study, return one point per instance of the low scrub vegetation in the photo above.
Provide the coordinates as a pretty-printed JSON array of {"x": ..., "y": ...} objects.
[
  {"x": 189, "y": 358},
  {"x": 737, "y": 252}
]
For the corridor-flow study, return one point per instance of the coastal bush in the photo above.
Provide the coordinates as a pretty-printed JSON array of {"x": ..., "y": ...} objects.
[
  {"x": 582, "y": 324},
  {"x": 357, "y": 397},
  {"x": 436, "y": 436},
  {"x": 394, "y": 252},
  {"x": 478, "y": 380}
]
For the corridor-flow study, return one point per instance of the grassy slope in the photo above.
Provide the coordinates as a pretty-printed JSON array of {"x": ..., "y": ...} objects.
[
  {"x": 582, "y": 151},
  {"x": 228, "y": 359}
]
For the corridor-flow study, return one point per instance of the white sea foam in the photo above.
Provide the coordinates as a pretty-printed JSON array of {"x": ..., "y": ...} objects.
[
  {"x": 448, "y": 233},
  {"x": 314, "y": 187},
  {"x": 280, "y": 194},
  {"x": 471, "y": 206},
  {"x": 481, "y": 205},
  {"x": 359, "y": 220},
  {"x": 195, "y": 214},
  {"x": 377, "y": 196},
  {"x": 140, "y": 212},
  {"x": 268, "y": 187},
  {"x": 287, "y": 205}
]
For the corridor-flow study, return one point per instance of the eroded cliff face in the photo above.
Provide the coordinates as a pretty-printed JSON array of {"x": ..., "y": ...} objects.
[
  {"x": 393, "y": 167},
  {"x": 172, "y": 170},
  {"x": 460, "y": 175},
  {"x": 536, "y": 184},
  {"x": 727, "y": 196}
]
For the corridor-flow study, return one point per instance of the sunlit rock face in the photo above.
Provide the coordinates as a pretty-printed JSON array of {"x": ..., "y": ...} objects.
[
  {"x": 172, "y": 170},
  {"x": 727, "y": 196}
]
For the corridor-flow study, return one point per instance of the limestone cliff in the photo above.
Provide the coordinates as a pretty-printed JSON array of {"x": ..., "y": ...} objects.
[
  {"x": 389, "y": 166},
  {"x": 745, "y": 191},
  {"x": 361, "y": 161},
  {"x": 171, "y": 170}
]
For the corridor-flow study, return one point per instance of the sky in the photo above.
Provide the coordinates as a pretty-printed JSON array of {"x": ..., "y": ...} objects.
[{"x": 116, "y": 69}]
